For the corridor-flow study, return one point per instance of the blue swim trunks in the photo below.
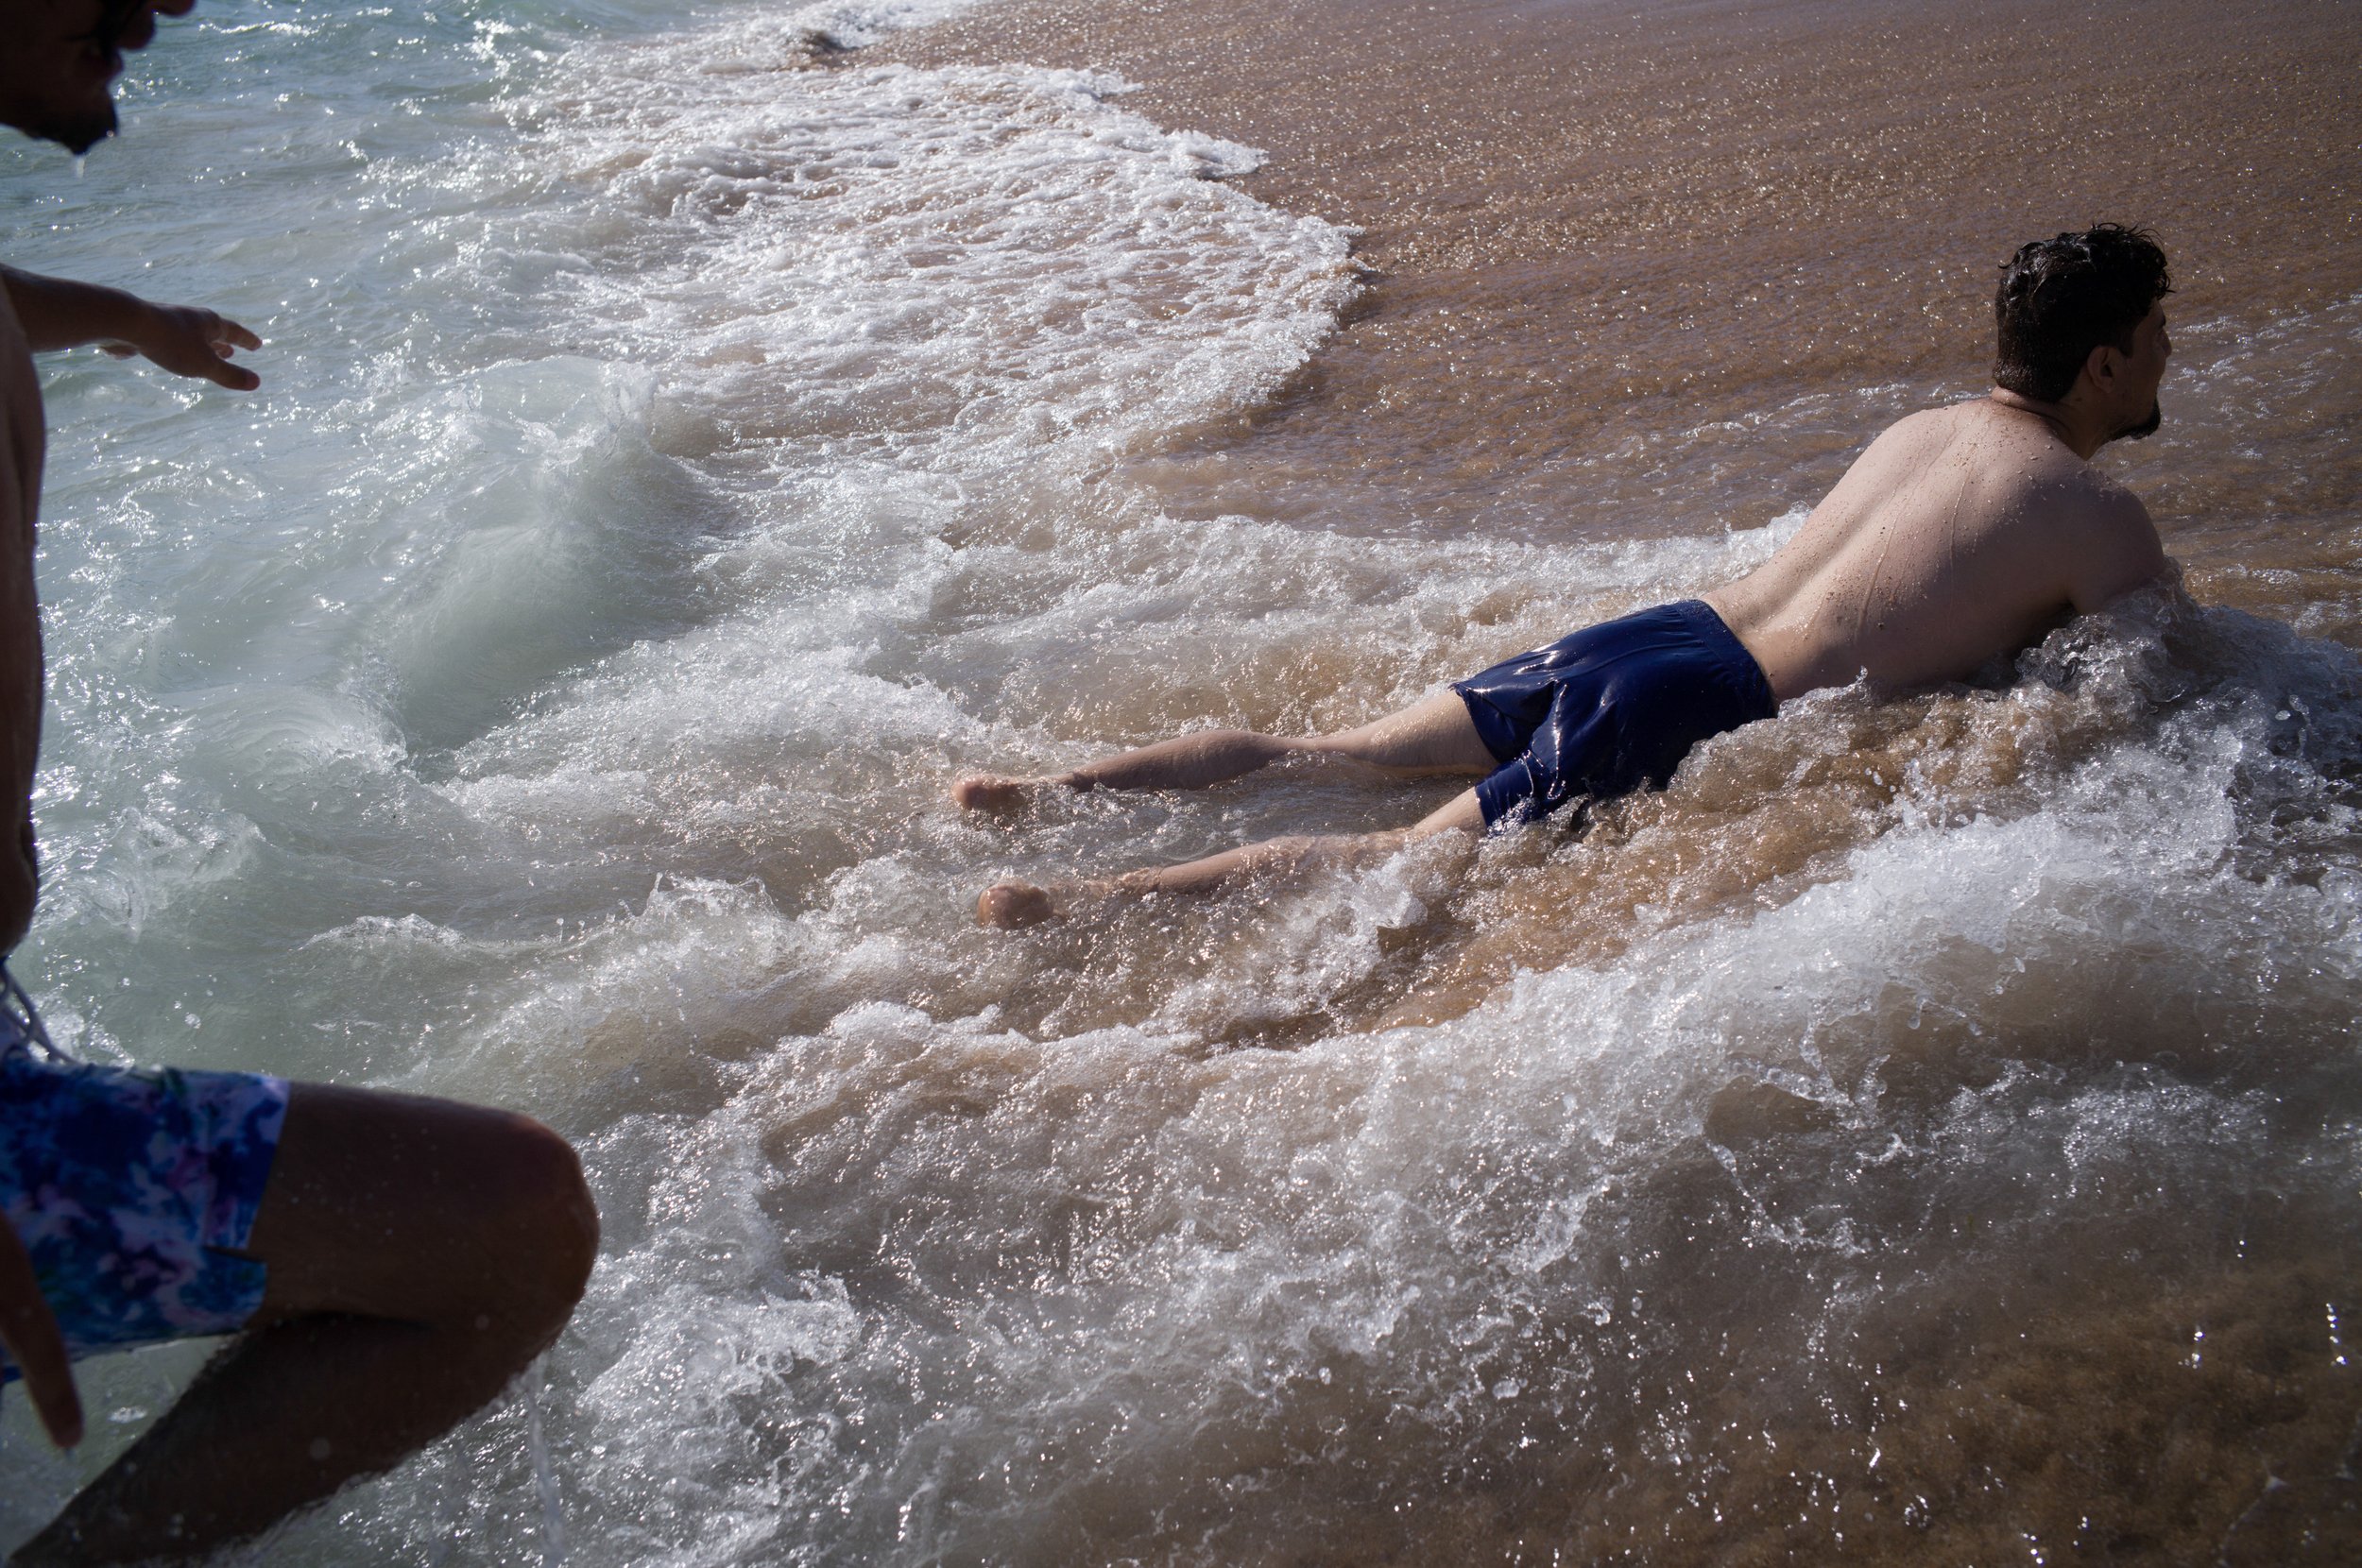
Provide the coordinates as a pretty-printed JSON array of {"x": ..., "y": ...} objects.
[
  {"x": 1613, "y": 708},
  {"x": 126, "y": 1187}
]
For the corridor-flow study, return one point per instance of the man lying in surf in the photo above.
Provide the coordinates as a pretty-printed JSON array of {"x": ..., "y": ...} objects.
[{"x": 1963, "y": 534}]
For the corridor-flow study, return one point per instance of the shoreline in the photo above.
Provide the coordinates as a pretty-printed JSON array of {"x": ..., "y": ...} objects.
[{"x": 1587, "y": 227}]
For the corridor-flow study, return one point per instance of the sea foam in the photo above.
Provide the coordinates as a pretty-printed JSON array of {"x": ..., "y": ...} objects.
[{"x": 684, "y": 458}]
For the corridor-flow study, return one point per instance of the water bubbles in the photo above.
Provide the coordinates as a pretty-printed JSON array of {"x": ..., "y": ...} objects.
[{"x": 731, "y": 452}]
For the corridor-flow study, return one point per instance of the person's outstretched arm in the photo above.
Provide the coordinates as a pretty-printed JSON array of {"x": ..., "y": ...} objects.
[{"x": 187, "y": 340}]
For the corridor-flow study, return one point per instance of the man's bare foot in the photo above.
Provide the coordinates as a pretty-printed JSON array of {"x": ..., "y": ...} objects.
[
  {"x": 1013, "y": 906},
  {"x": 984, "y": 792}
]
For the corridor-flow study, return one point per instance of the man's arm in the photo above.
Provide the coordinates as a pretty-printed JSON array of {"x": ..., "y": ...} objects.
[
  {"x": 2120, "y": 552},
  {"x": 187, "y": 340}
]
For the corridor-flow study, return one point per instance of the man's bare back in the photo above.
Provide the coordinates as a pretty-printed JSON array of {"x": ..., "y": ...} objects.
[{"x": 1960, "y": 536}]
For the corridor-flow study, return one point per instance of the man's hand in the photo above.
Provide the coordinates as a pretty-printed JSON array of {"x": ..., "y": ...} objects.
[
  {"x": 31, "y": 1335},
  {"x": 189, "y": 340}
]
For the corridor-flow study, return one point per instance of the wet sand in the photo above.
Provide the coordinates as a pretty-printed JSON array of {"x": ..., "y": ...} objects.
[
  {"x": 1766, "y": 228},
  {"x": 1591, "y": 226}
]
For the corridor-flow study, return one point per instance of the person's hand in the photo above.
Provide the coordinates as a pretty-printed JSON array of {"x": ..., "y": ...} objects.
[
  {"x": 189, "y": 340},
  {"x": 30, "y": 1333}
]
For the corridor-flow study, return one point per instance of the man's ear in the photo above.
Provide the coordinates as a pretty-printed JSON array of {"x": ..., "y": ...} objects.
[{"x": 2104, "y": 365}]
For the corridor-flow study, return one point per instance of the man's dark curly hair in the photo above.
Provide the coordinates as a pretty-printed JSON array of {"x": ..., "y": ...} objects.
[{"x": 2060, "y": 299}]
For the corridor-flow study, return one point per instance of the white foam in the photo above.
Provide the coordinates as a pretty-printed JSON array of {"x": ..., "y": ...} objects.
[
  {"x": 973, "y": 262},
  {"x": 723, "y": 455},
  {"x": 1205, "y": 1239}
]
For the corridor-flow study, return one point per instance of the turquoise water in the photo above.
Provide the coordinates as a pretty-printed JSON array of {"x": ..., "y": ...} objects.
[{"x": 676, "y": 462}]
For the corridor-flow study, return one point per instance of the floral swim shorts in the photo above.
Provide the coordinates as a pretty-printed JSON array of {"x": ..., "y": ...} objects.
[{"x": 127, "y": 1186}]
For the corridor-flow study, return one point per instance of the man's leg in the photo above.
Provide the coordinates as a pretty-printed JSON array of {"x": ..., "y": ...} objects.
[
  {"x": 421, "y": 1253},
  {"x": 1434, "y": 735},
  {"x": 1011, "y": 905}
]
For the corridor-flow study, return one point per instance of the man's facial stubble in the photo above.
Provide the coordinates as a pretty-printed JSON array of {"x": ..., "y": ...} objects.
[{"x": 70, "y": 100}]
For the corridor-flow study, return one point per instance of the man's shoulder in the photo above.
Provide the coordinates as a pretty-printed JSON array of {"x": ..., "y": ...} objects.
[
  {"x": 1981, "y": 434},
  {"x": 2037, "y": 473},
  {"x": 2097, "y": 533},
  {"x": 1928, "y": 424},
  {"x": 2075, "y": 490}
]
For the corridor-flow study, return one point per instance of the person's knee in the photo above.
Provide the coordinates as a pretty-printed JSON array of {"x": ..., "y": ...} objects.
[
  {"x": 1288, "y": 850},
  {"x": 1350, "y": 745},
  {"x": 428, "y": 1211},
  {"x": 546, "y": 1222},
  {"x": 569, "y": 1217}
]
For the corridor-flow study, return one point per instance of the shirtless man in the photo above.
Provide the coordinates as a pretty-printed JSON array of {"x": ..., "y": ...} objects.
[
  {"x": 388, "y": 1263},
  {"x": 1963, "y": 534}
]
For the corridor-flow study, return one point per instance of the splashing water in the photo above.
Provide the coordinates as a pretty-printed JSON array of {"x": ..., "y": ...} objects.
[{"x": 687, "y": 449}]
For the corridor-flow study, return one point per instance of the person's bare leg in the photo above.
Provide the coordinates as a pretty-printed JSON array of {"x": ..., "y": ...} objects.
[
  {"x": 1184, "y": 763},
  {"x": 1014, "y": 905},
  {"x": 421, "y": 1253},
  {"x": 1433, "y": 735}
]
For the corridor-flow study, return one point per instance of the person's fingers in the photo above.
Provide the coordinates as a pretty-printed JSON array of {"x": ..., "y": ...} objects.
[
  {"x": 202, "y": 347},
  {"x": 190, "y": 341},
  {"x": 217, "y": 369},
  {"x": 31, "y": 1336},
  {"x": 55, "y": 1398}
]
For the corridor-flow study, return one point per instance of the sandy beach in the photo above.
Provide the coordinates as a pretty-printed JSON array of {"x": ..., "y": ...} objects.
[{"x": 1591, "y": 226}]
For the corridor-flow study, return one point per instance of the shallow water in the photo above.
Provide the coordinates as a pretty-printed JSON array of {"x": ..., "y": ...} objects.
[{"x": 1926, "y": 1130}]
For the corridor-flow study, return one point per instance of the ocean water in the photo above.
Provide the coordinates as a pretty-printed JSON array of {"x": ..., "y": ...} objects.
[{"x": 686, "y": 447}]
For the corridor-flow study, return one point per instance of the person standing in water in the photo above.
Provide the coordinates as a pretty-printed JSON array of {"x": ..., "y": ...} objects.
[
  {"x": 388, "y": 1263},
  {"x": 1963, "y": 534}
]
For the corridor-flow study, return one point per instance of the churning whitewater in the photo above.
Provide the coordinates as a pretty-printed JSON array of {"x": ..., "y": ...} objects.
[{"x": 685, "y": 449}]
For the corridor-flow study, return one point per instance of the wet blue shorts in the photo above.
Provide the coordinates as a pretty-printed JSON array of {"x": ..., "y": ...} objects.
[
  {"x": 126, "y": 1187},
  {"x": 1613, "y": 708}
]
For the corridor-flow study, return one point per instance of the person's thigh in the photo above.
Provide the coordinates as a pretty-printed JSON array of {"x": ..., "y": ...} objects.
[
  {"x": 1433, "y": 735},
  {"x": 401, "y": 1206}
]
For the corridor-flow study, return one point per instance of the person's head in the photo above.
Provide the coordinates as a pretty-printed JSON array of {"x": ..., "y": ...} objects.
[
  {"x": 59, "y": 59},
  {"x": 2081, "y": 317}
]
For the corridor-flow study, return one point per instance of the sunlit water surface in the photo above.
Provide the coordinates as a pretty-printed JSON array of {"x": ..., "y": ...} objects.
[{"x": 685, "y": 447}]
